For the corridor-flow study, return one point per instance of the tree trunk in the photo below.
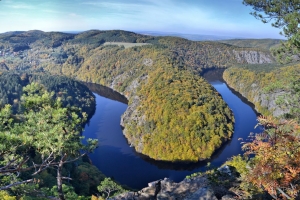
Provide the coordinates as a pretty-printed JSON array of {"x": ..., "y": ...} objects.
[{"x": 59, "y": 181}]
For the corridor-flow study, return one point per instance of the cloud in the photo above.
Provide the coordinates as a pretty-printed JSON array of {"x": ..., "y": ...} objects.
[
  {"x": 74, "y": 15},
  {"x": 52, "y": 11},
  {"x": 191, "y": 16},
  {"x": 20, "y": 6}
]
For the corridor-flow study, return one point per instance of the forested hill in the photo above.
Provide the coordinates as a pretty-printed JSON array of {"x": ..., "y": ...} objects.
[
  {"x": 72, "y": 93},
  {"x": 253, "y": 43},
  {"x": 173, "y": 113},
  {"x": 273, "y": 89}
]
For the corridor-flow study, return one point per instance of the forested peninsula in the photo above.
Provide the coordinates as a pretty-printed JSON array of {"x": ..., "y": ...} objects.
[{"x": 173, "y": 113}]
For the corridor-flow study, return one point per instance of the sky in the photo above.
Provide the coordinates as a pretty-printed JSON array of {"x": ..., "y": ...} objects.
[{"x": 204, "y": 17}]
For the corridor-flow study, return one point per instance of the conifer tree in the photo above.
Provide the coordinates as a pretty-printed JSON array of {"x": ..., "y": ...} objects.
[{"x": 45, "y": 135}]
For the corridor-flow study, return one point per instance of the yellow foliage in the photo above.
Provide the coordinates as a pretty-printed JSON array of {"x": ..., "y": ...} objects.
[{"x": 5, "y": 196}]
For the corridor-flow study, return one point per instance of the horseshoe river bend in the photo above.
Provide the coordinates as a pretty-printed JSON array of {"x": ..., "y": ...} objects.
[{"x": 115, "y": 158}]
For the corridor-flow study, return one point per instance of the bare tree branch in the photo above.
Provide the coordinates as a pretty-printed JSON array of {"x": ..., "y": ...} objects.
[{"x": 16, "y": 183}]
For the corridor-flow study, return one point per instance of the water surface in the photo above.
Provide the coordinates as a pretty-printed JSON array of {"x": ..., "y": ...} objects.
[{"x": 115, "y": 158}]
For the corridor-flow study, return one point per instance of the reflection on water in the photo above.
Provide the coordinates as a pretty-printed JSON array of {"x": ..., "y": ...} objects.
[
  {"x": 116, "y": 159},
  {"x": 106, "y": 92}
]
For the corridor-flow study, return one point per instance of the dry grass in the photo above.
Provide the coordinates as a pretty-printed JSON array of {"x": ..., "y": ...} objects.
[{"x": 126, "y": 44}]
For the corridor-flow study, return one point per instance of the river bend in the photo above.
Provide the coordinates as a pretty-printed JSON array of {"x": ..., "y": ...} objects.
[{"x": 115, "y": 158}]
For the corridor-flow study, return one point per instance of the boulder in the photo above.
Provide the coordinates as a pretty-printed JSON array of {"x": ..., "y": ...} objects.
[{"x": 225, "y": 170}]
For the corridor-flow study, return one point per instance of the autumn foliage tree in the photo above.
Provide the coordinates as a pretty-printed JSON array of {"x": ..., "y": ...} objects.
[{"x": 276, "y": 165}]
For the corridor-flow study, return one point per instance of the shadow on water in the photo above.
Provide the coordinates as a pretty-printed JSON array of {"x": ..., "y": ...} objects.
[
  {"x": 106, "y": 92},
  {"x": 213, "y": 74},
  {"x": 115, "y": 158}
]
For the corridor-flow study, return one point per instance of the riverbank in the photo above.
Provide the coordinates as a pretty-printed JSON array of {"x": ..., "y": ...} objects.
[{"x": 137, "y": 171}]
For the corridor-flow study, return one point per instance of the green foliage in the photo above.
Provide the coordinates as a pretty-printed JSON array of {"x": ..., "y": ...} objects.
[
  {"x": 283, "y": 14},
  {"x": 28, "y": 192},
  {"x": 185, "y": 120},
  {"x": 251, "y": 82},
  {"x": 69, "y": 193},
  {"x": 71, "y": 93},
  {"x": 193, "y": 175},
  {"x": 239, "y": 163},
  {"x": 265, "y": 44},
  {"x": 45, "y": 134},
  {"x": 86, "y": 178},
  {"x": 191, "y": 106},
  {"x": 109, "y": 187},
  {"x": 242, "y": 187},
  {"x": 291, "y": 100}
]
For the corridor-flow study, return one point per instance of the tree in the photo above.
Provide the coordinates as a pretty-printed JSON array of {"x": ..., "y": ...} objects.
[
  {"x": 283, "y": 14},
  {"x": 276, "y": 165},
  {"x": 109, "y": 186},
  {"x": 44, "y": 135}
]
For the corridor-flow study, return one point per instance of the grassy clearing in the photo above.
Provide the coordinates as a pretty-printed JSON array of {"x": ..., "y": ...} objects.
[{"x": 126, "y": 44}]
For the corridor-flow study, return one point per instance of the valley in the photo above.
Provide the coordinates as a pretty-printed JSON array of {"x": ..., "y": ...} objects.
[
  {"x": 178, "y": 117},
  {"x": 161, "y": 82}
]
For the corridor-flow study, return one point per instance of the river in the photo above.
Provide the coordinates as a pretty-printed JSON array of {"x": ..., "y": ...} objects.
[{"x": 115, "y": 158}]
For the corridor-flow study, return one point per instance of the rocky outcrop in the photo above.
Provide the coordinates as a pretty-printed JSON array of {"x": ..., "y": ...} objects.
[
  {"x": 202, "y": 194},
  {"x": 268, "y": 101},
  {"x": 262, "y": 100},
  {"x": 258, "y": 89},
  {"x": 132, "y": 114},
  {"x": 195, "y": 188},
  {"x": 252, "y": 57}
]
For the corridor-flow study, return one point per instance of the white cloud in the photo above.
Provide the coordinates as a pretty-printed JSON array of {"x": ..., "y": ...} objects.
[
  {"x": 20, "y": 6},
  {"x": 74, "y": 15},
  {"x": 151, "y": 15},
  {"x": 53, "y": 11}
]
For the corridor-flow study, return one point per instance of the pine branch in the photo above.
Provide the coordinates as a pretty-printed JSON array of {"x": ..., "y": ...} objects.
[{"x": 16, "y": 183}]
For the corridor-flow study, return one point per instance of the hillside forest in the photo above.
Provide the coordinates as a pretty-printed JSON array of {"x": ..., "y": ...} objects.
[
  {"x": 141, "y": 73},
  {"x": 173, "y": 114}
]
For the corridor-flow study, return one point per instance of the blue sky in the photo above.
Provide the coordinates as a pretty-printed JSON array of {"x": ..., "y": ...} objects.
[{"x": 205, "y": 17}]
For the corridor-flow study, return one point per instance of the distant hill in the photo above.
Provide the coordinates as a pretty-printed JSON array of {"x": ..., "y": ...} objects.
[
  {"x": 193, "y": 37},
  {"x": 253, "y": 43}
]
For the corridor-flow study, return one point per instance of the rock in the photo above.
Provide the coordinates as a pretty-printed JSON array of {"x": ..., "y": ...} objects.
[
  {"x": 152, "y": 184},
  {"x": 256, "y": 95},
  {"x": 268, "y": 100},
  {"x": 228, "y": 197},
  {"x": 295, "y": 58},
  {"x": 252, "y": 57},
  {"x": 202, "y": 194},
  {"x": 196, "y": 188},
  {"x": 225, "y": 170},
  {"x": 148, "y": 62}
]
